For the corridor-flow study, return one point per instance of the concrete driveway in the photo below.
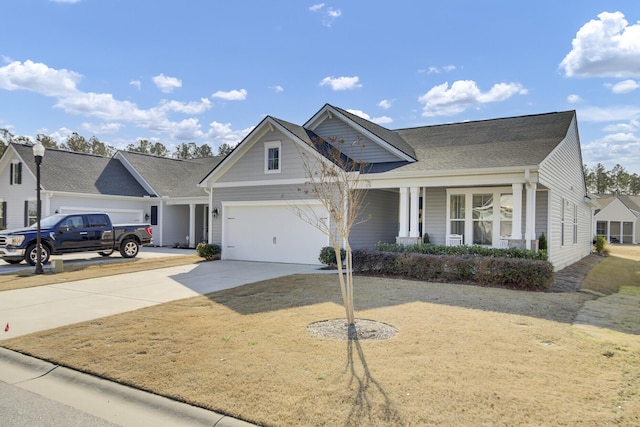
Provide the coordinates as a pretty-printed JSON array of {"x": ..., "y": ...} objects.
[{"x": 46, "y": 307}]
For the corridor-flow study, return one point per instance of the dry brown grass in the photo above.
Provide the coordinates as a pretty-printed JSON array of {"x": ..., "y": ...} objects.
[
  {"x": 464, "y": 355},
  {"x": 72, "y": 272}
]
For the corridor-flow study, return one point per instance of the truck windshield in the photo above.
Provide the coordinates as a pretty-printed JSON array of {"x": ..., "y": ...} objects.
[{"x": 49, "y": 221}]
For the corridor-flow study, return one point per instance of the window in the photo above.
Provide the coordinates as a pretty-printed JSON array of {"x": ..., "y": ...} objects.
[
  {"x": 482, "y": 216},
  {"x": 601, "y": 228},
  {"x": 30, "y": 212},
  {"x": 575, "y": 224},
  {"x": 15, "y": 176},
  {"x": 506, "y": 214},
  {"x": 3, "y": 215},
  {"x": 456, "y": 214},
  {"x": 154, "y": 215},
  {"x": 97, "y": 220},
  {"x": 272, "y": 157}
]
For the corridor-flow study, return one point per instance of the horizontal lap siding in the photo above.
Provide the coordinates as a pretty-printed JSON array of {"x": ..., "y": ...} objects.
[
  {"x": 435, "y": 209},
  {"x": 561, "y": 172},
  {"x": 380, "y": 212},
  {"x": 366, "y": 150}
]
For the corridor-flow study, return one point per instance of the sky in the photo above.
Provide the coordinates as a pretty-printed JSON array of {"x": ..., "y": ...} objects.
[{"x": 208, "y": 71}]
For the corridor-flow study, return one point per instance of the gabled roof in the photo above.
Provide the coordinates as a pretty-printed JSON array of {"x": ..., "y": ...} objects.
[
  {"x": 512, "y": 141},
  {"x": 68, "y": 171},
  {"x": 171, "y": 177},
  {"x": 630, "y": 202}
]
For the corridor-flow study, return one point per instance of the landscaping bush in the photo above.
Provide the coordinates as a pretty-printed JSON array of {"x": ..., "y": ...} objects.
[
  {"x": 476, "y": 250},
  {"x": 513, "y": 273},
  {"x": 600, "y": 245},
  {"x": 328, "y": 256},
  {"x": 208, "y": 251}
]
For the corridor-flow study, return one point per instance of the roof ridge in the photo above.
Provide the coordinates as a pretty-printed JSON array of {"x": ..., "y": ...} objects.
[{"x": 62, "y": 150}]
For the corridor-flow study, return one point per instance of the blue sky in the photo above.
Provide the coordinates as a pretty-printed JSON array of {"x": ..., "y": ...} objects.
[{"x": 208, "y": 71}]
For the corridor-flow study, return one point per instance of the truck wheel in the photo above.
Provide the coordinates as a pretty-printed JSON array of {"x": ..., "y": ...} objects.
[
  {"x": 129, "y": 248},
  {"x": 31, "y": 255},
  {"x": 105, "y": 253}
]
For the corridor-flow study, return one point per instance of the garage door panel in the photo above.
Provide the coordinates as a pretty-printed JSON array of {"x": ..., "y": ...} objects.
[{"x": 270, "y": 233}]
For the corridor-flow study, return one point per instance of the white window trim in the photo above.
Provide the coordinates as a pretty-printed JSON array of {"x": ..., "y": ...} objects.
[{"x": 267, "y": 146}]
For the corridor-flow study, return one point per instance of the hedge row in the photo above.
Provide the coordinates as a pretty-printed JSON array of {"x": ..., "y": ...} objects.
[
  {"x": 477, "y": 250},
  {"x": 513, "y": 273}
]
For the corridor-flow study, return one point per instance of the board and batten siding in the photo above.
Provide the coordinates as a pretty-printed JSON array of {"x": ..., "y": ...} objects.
[
  {"x": 561, "y": 172},
  {"x": 356, "y": 145},
  {"x": 250, "y": 167},
  {"x": 435, "y": 211},
  {"x": 379, "y": 212}
]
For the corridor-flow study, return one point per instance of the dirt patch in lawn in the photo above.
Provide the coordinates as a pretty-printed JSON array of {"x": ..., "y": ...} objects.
[
  {"x": 463, "y": 355},
  {"x": 26, "y": 278}
]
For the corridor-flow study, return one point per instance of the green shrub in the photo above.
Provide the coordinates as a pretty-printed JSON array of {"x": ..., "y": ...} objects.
[
  {"x": 542, "y": 242},
  {"x": 328, "y": 256},
  {"x": 475, "y": 250},
  {"x": 208, "y": 251},
  {"x": 600, "y": 245},
  {"x": 505, "y": 272},
  {"x": 425, "y": 239}
]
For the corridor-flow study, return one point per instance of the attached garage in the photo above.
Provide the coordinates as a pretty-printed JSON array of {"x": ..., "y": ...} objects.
[
  {"x": 118, "y": 216},
  {"x": 271, "y": 232}
]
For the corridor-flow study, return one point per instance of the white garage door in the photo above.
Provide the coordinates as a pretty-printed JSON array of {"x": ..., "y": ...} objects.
[{"x": 270, "y": 232}]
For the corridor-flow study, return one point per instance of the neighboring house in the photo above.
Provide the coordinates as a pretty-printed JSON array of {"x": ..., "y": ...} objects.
[
  {"x": 618, "y": 218},
  {"x": 500, "y": 182},
  {"x": 130, "y": 187}
]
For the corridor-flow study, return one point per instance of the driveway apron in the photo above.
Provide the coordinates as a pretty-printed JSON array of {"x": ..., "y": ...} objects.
[{"x": 24, "y": 311}]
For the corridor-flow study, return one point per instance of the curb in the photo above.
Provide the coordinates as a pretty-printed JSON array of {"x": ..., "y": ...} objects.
[{"x": 111, "y": 401}]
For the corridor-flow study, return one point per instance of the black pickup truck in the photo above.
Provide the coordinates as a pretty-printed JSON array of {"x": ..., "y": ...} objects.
[{"x": 77, "y": 232}]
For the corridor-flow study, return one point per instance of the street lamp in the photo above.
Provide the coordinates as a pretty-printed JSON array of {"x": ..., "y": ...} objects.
[{"x": 38, "y": 154}]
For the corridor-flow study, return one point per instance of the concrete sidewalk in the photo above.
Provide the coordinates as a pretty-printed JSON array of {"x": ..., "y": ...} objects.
[
  {"x": 45, "y": 394},
  {"x": 46, "y": 307}
]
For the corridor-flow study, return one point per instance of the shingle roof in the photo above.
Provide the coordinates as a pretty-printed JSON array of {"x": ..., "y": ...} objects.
[
  {"x": 172, "y": 177},
  {"x": 512, "y": 141},
  {"x": 81, "y": 173}
]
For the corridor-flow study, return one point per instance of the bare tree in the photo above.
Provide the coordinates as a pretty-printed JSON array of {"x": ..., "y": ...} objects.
[{"x": 335, "y": 179}]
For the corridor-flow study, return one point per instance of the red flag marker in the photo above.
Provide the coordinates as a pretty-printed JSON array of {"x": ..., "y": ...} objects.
[{"x": 6, "y": 328}]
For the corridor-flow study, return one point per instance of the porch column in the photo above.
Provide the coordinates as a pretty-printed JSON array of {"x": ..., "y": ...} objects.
[
  {"x": 531, "y": 213},
  {"x": 415, "y": 203},
  {"x": 404, "y": 212},
  {"x": 192, "y": 225},
  {"x": 516, "y": 221}
]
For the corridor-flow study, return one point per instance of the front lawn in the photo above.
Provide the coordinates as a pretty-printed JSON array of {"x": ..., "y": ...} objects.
[{"x": 464, "y": 355}]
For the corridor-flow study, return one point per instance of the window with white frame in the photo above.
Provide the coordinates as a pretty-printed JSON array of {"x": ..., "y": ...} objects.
[
  {"x": 456, "y": 214},
  {"x": 506, "y": 215},
  {"x": 482, "y": 215},
  {"x": 272, "y": 157},
  {"x": 575, "y": 223},
  {"x": 15, "y": 176},
  {"x": 602, "y": 229},
  {"x": 30, "y": 212}
]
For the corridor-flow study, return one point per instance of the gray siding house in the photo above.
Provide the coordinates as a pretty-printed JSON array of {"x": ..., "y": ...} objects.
[{"x": 499, "y": 183}]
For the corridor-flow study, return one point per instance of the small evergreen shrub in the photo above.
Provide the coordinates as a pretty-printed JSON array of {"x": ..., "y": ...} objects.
[
  {"x": 208, "y": 251},
  {"x": 328, "y": 256},
  {"x": 504, "y": 272},
  {"x": 600, "y": 245},
  {"x": 475, "y": 250},
  {"x": 425, "y": 239},
  {"x": 542, "y": 242}
]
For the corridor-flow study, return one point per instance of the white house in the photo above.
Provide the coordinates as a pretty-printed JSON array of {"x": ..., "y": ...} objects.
[
  {"x": 618, "y": 218},
  {"x": 500, "y": 182}
]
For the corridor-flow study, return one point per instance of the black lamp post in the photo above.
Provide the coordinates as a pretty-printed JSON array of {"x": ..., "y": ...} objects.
[{"x": 38, "y": 154}]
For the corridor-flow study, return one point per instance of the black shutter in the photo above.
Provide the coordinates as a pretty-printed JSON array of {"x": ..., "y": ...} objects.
[
  {"x": 4, "y": 215},
  {"x": 11, "y": 175},
  {"x": 154, "y": 215},
  {"x": 26, "y": 213},
  {"x": 19, "y": 180}
]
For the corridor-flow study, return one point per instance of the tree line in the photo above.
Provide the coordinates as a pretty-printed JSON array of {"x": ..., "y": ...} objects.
[
  {"x": 78, "y": 143},
  {"x": 599, "y": 180}
]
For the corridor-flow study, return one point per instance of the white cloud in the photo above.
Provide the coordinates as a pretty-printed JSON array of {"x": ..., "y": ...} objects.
[
  {"x": 610, "y": 114},
  {"x": 382, "y": 120},
  {"x": 379, "y": 120},
  {"x": 193, "y": 107},
  {"x": 632, "y": 126},
  {"x": 316, "y": 7},
  {"x": 625, "y": 86},
  {"x": 136, "y": 83},
  {"x": 573, "y": 99},
  {"x": 607, "y": 47},
  {"x": 102, "y": 128},
  {"x": 329, "y": 14},
  {"x": 277, "y": 88},
  {"x": 39, "y": 78},
  {"x": 341, "y": 83},
  {"x": 617, "y": 148},
  {"x": 166, "y": 84},
  {"x": 443, "y": 100},
  {"x": 222, "y": 132},
  {"x": 385, "y": 104},
  {"x": 437, "y": 70},
  {"x": 232, "y": 95}
]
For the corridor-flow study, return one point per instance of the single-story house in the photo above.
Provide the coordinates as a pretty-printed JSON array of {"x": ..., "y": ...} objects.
[
  {"x": 130, "y": 187},
  {"x": 617, "y": 218},
  {"x": 501, "y": 182}
]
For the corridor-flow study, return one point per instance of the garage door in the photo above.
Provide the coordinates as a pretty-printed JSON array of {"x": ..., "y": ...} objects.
[{"x": 270, "y": 232}]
